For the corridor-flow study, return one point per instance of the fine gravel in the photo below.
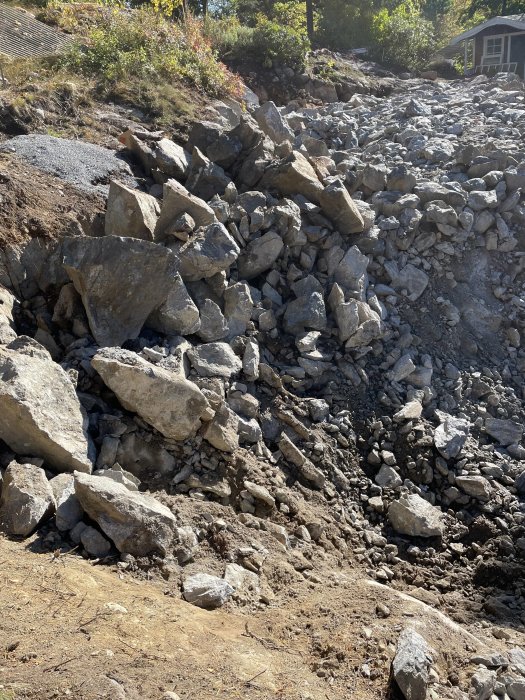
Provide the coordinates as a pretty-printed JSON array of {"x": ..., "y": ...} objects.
[{"x": 84, "y": 165}]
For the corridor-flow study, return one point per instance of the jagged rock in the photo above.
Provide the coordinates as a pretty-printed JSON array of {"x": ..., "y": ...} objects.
[
  {"x": 206, "y": 179},
  {"x": 178, "y": 314},
  {"x": 251, "y": 360},
  {"x": 412, "y": 515},
  {"x": 271, "y": 122},
  {"x": 238, "y": 307},
  {"x": 410, "y": 278},
  {"x": 307, "y": 311},
  {"x": 121, "y": 281},
  {"x": 213, "y": 325},
  {"x": 136, "y": 522},
  {"x": 176, "y": 201},
  {"x": 169, "y": 402},
  {"x": 259, "y": 255},
  {"x": 450, "y": 435},
  {"x": 294, "y": 175},
  {"x": 215, "y": 360},
  {"x": 26, "y": 501},
  {"x": 341, "y": 209},
  {"x": 206, "y": 591},
  {"x": 130, "y": 212},
  {"x": 7, "y": 322},
  {"x": 482, "y": 683},
  {"x": 209, "y": 251},
  {"x": 68, "y": 509},
  {"x": 41, "y": 414},
  {"x": 172, "y": 159},
  {"x": 223, "y": 430},
  {"x": 506, "y": 432},
  {"x": 411, "y": 665}
]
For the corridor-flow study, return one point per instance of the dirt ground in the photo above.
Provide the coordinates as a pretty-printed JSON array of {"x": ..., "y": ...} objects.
[{"x": 72, "y": 629}]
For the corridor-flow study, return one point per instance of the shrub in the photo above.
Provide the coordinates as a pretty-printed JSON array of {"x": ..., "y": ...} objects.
[
  {"x": 403, "y": 38},
  {"x": 267, "y": 44},
  {"x": 142, "y": 44}
]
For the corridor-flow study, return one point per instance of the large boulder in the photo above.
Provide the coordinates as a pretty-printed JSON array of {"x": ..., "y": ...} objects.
[
  {"x": 68, "y": 509},
  {"x": 172, "y": 159},
  {"x": 177, "y": 200},
  {"x": 121, "y": 281},
  {"x": 169, "y": 402},
  {"x": 130, "y": 212},
  {"x": 40, "y": 412},
  {"x": 450, "y": 435},
  {"x": 137, "y": 523},
  {"x": 215, "y": 360},
  {"x": 207, "y": 252},
  {"x": 412, "y": 515},
  {"x": 27, "y": 499}
]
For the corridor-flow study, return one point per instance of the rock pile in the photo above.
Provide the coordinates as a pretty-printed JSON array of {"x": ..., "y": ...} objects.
[{"x": 311, "y": 304}]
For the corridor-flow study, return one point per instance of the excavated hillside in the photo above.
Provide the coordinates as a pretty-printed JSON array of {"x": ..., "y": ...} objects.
[{"x": 262, "y": 402}]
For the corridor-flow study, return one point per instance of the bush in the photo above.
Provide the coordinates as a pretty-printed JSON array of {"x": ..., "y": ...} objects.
[
  {"x": 267, "y": 44},
  {"x": 141, "y": 44},
  {"x": 403, "y": 38}
]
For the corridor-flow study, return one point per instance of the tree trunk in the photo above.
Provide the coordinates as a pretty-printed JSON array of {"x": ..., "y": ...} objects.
[
  {"x": 503, "y": 7},
  {"x": 205, "y": 8},
  {"x": 310, "y": 19}
]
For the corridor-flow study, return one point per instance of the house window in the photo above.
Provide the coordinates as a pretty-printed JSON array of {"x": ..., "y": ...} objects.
[{"x": 493, "y": 53}]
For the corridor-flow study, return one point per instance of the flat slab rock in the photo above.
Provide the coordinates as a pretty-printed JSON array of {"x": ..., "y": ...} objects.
[
  {"x": 168, "y": 401},
  {"x": 41, "y": 414},
  {"x": 136, "y": 522}
]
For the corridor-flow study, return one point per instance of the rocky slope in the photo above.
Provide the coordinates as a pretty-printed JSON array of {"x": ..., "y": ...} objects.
[{"x": 302, "y": 332}]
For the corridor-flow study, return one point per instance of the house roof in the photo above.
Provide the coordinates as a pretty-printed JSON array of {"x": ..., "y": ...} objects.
[
  {"x": 514, "y": 21},
  {"x": 23, "y": 36}
]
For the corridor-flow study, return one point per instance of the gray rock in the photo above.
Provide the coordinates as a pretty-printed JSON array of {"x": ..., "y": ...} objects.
[
  {"x": 411, "y": 665},
  {"x": 136, "y": 522},
  {"x": 516, "y": 689},
  {"x": 68, "y": 509},
  {"x": 130, "y": 212},
  {"x": 178, "y": 314},
  {"x": 176, "y": 201},
  {"x": 206, "y": 591},
  {"x": 294, "y": 175},
  {"x": 172, "y": 159},
  {"x": 215, "y": 360},
  {"x": 450, "y": 435},
  {"x": 169, "y": 402},
  {"x": 7, "y": 322},
  {"x": 213, "y": 325},
  {"x": 121, "y": 281},
  {"x": 307, "y": 311},
  {"x": 412, "y": 515},
  {"x": 238, "y": 307},
  {"x": 411, "y": 278},
  {"x": 259, "y": 255},
  {"x": 482, "y": 683},
  {"x": 388, "y": 477},
  {"x": 209, "y": 251},
  {"x": 94, "y": 543},
  {"x": 271, "y": 122},
  {"x": 506, "y": 432},
  {"x": 41, "y": 414},
  {"x": 27, "y": 499},
  {"x": 475, "y": 486},
  {"x": 340, "y": 208},
  {"x": 223, "y": 430}
]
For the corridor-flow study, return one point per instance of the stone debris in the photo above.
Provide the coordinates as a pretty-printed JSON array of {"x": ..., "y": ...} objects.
[{"x": 316, "y": 353}]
